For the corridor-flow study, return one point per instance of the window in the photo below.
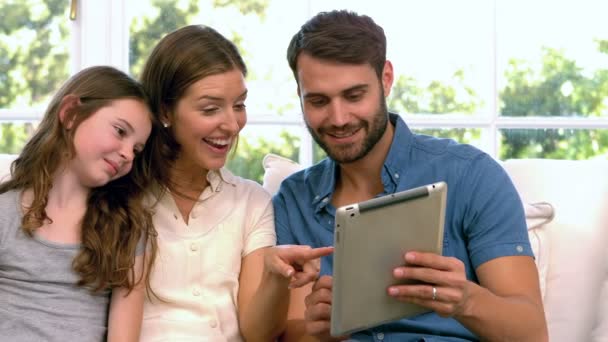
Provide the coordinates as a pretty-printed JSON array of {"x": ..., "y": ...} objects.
[
  {"x": 34, "y": 61},
  {"x": 515, "y": 78}
]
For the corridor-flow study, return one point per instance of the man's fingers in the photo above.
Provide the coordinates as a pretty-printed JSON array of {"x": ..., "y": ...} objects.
[
  {"x": 317, "y": 327},
  {"x": 302, "y": 278},
  {"x": 318, "y": 296},
  {"x": 324, "y": 282}
]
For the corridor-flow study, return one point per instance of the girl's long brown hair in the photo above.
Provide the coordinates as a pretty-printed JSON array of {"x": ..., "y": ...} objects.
[{"x": 116, "y": 219}]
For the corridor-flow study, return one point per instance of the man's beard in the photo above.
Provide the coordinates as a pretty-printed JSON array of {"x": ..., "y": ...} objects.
[{"x": 352, "y": 152}]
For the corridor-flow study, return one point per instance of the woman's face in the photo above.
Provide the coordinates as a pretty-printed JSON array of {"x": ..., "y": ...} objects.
[{"x": 208, "y": 119}]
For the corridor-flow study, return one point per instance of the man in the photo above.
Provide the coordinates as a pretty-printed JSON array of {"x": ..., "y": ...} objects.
[{"x": 485, "y": 286}]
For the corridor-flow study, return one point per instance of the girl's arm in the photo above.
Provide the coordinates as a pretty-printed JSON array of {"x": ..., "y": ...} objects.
[
  {"x": 264, "y": 282},
  {"x": 126, "y": 311}
]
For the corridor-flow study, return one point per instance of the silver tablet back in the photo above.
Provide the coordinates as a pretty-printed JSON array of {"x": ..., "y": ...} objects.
[{"x": 370, "y": 240}]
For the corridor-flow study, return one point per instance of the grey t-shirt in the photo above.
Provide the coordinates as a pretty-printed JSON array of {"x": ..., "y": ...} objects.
[{"x": 39, "y": 299}]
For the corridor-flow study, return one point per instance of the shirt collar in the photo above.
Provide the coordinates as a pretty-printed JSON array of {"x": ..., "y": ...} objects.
[
  {"x": 397, "y": 159},
  {"x": 217, "y": 178}
]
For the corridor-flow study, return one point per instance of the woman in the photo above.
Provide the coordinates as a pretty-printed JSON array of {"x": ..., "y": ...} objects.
[{"x": 216, "y": 277}]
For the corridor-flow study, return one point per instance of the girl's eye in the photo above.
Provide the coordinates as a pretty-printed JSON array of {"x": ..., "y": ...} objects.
[
  {"x": 240, "y": 107},
  {"x": 120, "y": 131}
]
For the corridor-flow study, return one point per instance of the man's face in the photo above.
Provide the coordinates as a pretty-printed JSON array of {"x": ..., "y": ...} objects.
[{"x": 344, "y": 105}]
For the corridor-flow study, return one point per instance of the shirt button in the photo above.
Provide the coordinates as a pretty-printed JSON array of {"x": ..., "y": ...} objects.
[
  {"x": 397, "y": 175},
  {"x": 213, "y": 324},
  {"x": 196, "y": 292},
  {"x": 520, "y": 248},
  {"x": 380, "y": 336},
  {"x": 193, "y": 247}
]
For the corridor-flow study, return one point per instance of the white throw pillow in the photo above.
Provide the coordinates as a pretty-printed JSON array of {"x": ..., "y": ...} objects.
[
  {"x": 277, "y": 168},
  {"x": 537, "y": 217}
]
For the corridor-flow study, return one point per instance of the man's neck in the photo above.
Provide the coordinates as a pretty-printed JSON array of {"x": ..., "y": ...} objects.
[{"x": 362, "y": 180}]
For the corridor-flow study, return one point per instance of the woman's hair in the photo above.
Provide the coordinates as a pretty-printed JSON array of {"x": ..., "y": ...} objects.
[
  {"x": 340, "y": 36},
  {"x": 180, "y": 59},
  {"x": 115, "y": 220}
]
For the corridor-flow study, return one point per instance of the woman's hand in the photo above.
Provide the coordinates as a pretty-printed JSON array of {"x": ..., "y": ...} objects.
[{"x": 299, "y": 264}]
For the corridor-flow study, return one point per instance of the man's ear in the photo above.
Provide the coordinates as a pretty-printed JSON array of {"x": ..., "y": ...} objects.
[
  {"x": 67, "y": 105},
  {"x": 387, "y": 77}
]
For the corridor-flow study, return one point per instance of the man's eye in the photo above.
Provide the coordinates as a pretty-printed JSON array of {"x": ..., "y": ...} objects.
[
  {"x": 317, "y": 102},
  {"x": 354, "y": 97}
]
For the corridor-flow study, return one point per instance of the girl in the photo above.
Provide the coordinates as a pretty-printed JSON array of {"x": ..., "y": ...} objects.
[
  {"x": 73, "y": 228},
  {"x": 216, "y": 278}
]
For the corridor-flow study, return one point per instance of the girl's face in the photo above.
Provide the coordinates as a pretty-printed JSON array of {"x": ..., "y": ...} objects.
[
  {"x": 106, "y": 143},
  {"x": 208, "y": 119}
]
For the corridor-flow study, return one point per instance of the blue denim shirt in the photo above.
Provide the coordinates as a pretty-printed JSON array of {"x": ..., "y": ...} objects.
[{"x": 484, "y": 215}]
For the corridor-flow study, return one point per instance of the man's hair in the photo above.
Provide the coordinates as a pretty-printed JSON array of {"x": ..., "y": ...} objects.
[
  {"x": 115, "y": 220},
  {"x": 340, "y": 36}
]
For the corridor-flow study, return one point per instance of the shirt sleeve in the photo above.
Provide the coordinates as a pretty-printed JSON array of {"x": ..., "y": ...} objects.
[
  {"x": 494, "y": 221},
  {"x": 260, "y": 231},
  {"x": 281, "y": 222}
]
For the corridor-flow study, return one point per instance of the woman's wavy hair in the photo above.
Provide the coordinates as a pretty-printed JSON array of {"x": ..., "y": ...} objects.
[
  {"x": 179, "y": 60},
  {"x": 116, "y": 220}
]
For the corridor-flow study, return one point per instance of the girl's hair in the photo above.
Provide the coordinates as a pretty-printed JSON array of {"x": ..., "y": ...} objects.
[
  {"x": 180, "y": 59},
  {"x": 116, "y": 219}
]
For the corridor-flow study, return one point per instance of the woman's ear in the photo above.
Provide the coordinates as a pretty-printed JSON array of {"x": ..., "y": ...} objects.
[
  {"x": 66, "y": 107},
  {"x": 165, "y": 117}
]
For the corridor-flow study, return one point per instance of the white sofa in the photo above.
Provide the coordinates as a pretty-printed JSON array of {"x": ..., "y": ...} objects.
[{"x": 566, "y": 206}]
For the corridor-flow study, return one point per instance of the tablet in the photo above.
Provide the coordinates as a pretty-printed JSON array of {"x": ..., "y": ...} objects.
[{"x": 370, "y": 239}]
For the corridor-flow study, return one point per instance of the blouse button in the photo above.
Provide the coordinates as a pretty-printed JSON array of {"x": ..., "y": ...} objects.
[
  {"x": 213, "y": 324},
  {"x": 193, "y": 247},
  {"x": 196, "y": 292}
]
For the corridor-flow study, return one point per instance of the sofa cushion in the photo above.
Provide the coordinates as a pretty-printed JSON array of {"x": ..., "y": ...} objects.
[
  {"x": 537, "y": 217},
  {"x": 5, "y": 164},
  {"x": 277, "y": 168},
  {"x": 578, "y": 190}
]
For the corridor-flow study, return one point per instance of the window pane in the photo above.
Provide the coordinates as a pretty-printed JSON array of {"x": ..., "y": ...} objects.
[
  {"x": 261, "y": 29},
  {"x": 553, "y": 143},
  {"x": 440, "y": 49},
  {"x": 34, "y": 46},
  {"x": 14, "y": 135},
  {"x": 255, "y": 141},
  {"x": 551, "y": 58},
  {"x": 469, "y": 136}
]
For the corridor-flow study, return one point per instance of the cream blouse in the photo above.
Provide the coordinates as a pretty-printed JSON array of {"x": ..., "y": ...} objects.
[{"x": 198, "y": 264}]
